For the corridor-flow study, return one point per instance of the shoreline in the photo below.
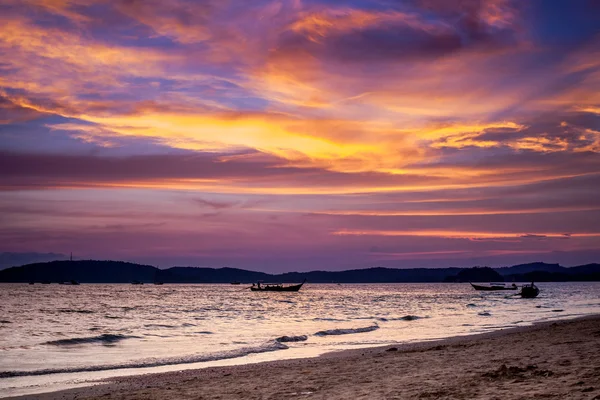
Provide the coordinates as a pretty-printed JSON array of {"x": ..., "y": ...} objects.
[{"x": 240, "y": 381}]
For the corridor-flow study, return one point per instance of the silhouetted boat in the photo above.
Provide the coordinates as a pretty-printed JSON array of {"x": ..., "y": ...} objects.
[
  {"x": 529, "y": 291},
  {"x": 32, "y": 283},
  {"x": 137, "y": 283},
  {"x": 46, "y": 282},
  {"x": 158, "y": 283},
  {"x": 275, "y": 287},
  {"x": 236, "y": 283},
  {"x": 71, "y": 282},
  {"x": 494, "y": 287}
]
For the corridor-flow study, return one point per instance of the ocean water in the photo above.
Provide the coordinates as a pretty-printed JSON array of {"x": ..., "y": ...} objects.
[{"x": 57, "y": 336}]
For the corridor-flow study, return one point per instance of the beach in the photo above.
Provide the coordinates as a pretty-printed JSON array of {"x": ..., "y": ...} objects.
[{"x": 552, "y": 360}]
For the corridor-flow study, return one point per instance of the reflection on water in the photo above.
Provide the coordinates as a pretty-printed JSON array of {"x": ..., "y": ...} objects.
[{"x": 47, "y": 329}]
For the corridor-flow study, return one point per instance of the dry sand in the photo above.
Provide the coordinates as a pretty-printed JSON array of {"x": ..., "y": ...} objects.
[{"x": 558, "y": 360}]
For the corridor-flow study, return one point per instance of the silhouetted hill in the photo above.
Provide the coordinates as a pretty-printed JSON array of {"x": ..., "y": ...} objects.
[
  {"x": 210, "y": 275},
  {"x": 90, "y": 271},
  {"x": 370, "y": 275},
  {"x": 476, "y": 274},
  {"x": 586, "y": 269},
  {"x": 589, "y": 272},
  {"x": 531, "y": 267},
  {"x": 8, "y": 260}
]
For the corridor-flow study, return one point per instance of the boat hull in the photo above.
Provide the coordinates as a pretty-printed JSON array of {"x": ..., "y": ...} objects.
[
  {"x": 292, "y": 288},
  {"x": 492, "y": 288},
  {"x": 529, "y": 292}
]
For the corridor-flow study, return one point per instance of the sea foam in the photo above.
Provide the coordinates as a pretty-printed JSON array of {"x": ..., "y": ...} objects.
[
  {"x": 105, "y": 339},
  {"x": 347, "y": 331},
  {"x": 154, "y": 362}
]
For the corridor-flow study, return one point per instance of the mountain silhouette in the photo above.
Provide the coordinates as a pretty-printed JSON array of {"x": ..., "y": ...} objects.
[{"x": 94, "y": 271}]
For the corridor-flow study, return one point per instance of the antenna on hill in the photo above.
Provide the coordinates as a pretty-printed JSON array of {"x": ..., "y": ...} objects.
[{"x": 71, "y": 259}]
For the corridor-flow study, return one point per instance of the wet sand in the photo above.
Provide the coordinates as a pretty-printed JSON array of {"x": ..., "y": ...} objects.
[{"x": 559, "y": 360}]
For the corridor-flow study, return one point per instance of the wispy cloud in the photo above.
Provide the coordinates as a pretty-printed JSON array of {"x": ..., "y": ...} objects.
[{"x": 423, "y": 128}]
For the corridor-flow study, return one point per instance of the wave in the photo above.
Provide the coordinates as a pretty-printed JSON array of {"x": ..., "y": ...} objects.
[
  {"x": 285, "y": 339},
  {"x": 4, "y": 321},
  {"x": 159, "y": 326},
  {"x": 105, "y": 339},
  {"x": 153, "y": 362},
  {"x": 347, "y": 331},
  {"x": 485, "y": 314},
  {"x": 69, "y": 310},
  {"x": 329, "y": 319},
  {"x": 405, "y": 318}
]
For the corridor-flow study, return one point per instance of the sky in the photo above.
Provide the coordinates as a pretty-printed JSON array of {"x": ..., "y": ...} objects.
[{"x": 300, "y": 135}]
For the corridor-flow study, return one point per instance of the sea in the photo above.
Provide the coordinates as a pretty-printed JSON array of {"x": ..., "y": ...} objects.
[{"x": 54, "y": 337}]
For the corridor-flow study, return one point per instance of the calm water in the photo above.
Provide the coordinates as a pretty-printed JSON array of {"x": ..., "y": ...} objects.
[{"x": 55, "y": 336}]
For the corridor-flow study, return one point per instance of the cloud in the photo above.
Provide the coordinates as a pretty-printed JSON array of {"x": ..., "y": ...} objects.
[
  {"x": 449, "y": 128},
  {"x": 217, "y": 205},
  {"x": 465, "y": 235},
  {"x": 11, "y": 112}
]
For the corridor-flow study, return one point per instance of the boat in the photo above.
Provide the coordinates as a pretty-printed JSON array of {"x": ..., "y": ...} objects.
[
  {"x": 236, "y": 283},
  {"x": 137, "y": 283},
  {"x": 275, "y": 287},
  {"x": 158, "y": 283},
  {"x": 494, "y": 286},
  {"x": 529, "y": 291},
  {"x": 71, "y": 282}
]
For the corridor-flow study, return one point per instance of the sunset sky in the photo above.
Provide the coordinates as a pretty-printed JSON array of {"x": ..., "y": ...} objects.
[{"x": 301, "y": 134}]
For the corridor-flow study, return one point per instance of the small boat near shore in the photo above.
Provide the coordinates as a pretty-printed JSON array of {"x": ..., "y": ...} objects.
[
  {"x": 529, "y": 291},
  {"x": 236, "y": 283},
  {"x": 275, "y": 287},
  {"x": 494, "y": 287}
]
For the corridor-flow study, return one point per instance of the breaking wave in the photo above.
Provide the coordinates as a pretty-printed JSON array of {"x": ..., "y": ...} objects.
[
  {"x": 69, "y": 310},
  {"x": 153, "y": 362},
  {"x": 329, "y": 319},
  {"x": 105, "y": 339},
  {"x": 159, "y": 326},
  {"x": 405, "y": 318},
  {"x": 285, "y": 339},
  {"x": 347, "y": 331}
]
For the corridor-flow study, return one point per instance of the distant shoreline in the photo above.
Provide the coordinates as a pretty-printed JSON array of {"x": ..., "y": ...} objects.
[
  {"x": 552, "y": 359},
  {"x": 95, "y": 271}
]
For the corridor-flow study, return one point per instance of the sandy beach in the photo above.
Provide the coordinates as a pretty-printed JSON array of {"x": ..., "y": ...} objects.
[{"x": 558, "y": 360}]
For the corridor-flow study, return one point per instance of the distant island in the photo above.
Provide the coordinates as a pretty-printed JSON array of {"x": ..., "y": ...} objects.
[{"x": 93, "y": 271}]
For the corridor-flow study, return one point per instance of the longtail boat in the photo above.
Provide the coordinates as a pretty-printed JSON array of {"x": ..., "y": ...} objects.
[
  {"x": 494, "y": 287},
  {"x": 275, "y": 287}
]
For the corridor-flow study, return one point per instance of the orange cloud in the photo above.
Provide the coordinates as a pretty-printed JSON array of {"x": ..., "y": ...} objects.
[
  {"x": 186, "y": 22},
  {"x": 463, "y": 235}
]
